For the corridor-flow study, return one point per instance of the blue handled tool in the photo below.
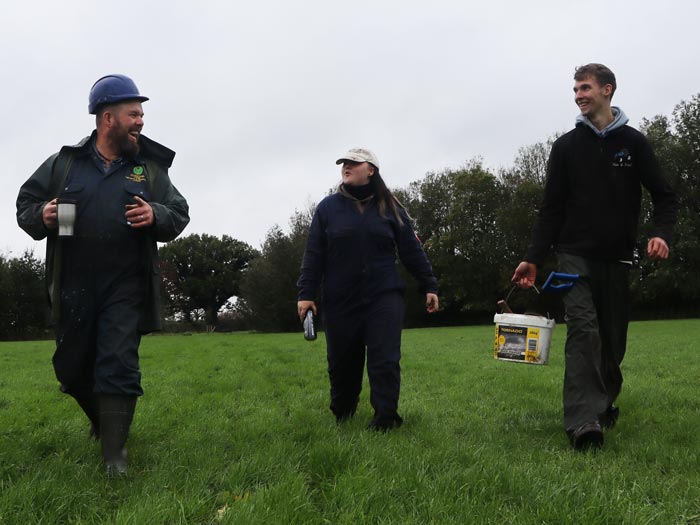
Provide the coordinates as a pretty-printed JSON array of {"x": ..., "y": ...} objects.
[{"x": 560, "y": 282}]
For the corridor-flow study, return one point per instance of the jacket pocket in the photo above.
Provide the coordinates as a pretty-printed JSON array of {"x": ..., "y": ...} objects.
[
  {"x": 72, "y": 190},
  {"x": 139, "y": 189}
]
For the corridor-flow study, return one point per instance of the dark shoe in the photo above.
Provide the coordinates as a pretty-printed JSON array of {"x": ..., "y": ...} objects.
[
  {"x": 116, "y": 414},
  {"x": 608, "y": 418},
  {"x": 343, "y": 412},
  {"x": 344, "y": 417},
  {"x": 384, "y": 423},
  {"x": 587, "y": 436}
]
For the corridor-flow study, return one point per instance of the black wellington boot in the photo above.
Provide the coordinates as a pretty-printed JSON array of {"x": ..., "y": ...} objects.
[
  {"x": 116, "y": 414},
  {"x": 88, "y": 402}
]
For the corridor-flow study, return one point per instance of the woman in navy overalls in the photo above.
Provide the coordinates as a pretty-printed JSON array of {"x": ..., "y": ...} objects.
[{"x": 354, "y": 238}]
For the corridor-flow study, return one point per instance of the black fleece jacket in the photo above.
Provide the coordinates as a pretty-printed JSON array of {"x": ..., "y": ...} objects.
[{"x": 592, "y": 196}]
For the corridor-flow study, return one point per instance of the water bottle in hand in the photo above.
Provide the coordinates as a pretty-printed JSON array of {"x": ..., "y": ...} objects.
[{"x": 309, "y": 328}]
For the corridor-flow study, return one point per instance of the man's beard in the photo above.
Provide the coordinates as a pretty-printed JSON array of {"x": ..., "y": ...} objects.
[{"x": 119, "y": 136}]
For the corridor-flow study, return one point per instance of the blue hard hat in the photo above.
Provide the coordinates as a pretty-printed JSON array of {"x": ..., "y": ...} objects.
[{"x": 113, "y": 88}]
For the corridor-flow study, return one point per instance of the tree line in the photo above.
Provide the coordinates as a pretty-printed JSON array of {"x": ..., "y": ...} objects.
[{"x": 474, "y": 222}]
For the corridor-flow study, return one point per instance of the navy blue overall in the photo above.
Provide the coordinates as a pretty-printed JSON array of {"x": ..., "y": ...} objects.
[
  {"x": 353, "y": 251},
  {"x": 102, "y": 281}
]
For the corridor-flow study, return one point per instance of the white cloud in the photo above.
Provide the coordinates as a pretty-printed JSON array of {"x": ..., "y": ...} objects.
[{"x": 260, "y": 98}]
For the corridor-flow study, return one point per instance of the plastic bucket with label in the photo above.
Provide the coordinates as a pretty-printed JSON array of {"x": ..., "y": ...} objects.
[{"x": 522, "y": 338}]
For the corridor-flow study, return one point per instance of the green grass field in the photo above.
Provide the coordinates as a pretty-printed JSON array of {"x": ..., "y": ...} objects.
[{"x": 235, "y": 429}]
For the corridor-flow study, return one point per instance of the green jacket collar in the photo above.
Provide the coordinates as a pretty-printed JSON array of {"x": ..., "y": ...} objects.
[{"x": 150, "y": 149}]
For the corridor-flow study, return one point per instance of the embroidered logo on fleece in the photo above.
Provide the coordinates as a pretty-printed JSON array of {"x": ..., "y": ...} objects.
[
  {"x": 136, "y": 175},
  {"x": 622, "y": 159}
]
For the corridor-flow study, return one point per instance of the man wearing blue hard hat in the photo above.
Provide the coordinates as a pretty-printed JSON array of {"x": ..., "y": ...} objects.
[{"x": 102, "y": 205}]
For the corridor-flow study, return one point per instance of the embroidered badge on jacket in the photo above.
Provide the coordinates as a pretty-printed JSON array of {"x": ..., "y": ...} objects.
[
  {"x": 136, "y": 175},
  {"x": 622, "y": 159}
]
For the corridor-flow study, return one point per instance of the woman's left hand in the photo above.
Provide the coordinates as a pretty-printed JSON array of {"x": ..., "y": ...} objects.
[{"x": 431, "y": 302}]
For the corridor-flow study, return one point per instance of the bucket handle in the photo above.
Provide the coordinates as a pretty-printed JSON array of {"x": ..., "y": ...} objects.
[{"x": 503, "y": 303}]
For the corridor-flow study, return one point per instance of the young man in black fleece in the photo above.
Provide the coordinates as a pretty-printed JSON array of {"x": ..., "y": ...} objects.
[{"x": 589, "y": 215}]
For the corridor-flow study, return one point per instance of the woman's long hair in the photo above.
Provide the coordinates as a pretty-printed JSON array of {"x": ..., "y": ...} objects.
[{"x": 385, "y": 199}]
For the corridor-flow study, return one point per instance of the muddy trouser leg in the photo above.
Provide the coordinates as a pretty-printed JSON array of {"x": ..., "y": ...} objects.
[
  {"x": 74, "y": 359},
  {"x": 117, "y": 349},
  {"x": 346, "y": 361},
  {"x": 383, "y": 337},
  {"x": 584, "y": 393}
]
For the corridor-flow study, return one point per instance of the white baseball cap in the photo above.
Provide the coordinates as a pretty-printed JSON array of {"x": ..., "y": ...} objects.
[{"x": 360, "y": 155}]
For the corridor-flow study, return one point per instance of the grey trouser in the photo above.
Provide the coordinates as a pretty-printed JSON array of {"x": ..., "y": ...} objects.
[{"x": 597, "y": 315}]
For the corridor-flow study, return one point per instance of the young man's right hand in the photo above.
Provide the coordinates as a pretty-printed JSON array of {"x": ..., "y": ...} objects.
[{"x": 525, "y": 274}]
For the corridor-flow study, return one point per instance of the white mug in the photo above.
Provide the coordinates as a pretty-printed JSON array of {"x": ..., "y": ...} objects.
[{"x": 66, "y": 217}]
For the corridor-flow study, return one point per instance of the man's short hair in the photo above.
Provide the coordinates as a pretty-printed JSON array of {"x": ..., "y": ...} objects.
[
  {"x": 104, "y": 108},
  {"x": 601, "y": 73}
]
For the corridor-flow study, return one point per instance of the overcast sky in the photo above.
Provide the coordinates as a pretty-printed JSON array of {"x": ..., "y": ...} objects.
[{"x": 259, "y": 98}]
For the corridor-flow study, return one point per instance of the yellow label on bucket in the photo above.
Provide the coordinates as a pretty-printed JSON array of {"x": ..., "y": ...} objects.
[
  {"x": 496, "y": 343},
  {"x": 510, "y": 342},
  {"x": 532, "y": 353}
]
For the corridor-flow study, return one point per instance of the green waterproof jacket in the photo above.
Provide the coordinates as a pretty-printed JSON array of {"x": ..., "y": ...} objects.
[{"x": 170, "y": 211}]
